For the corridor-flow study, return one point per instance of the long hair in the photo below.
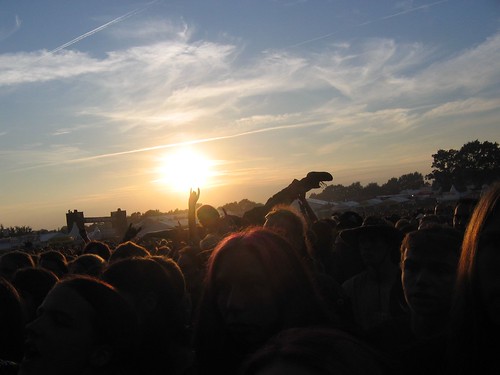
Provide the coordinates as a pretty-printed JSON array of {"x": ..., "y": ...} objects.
[
  {"x": 289, "y": 279},
  {"x": 469, "y": 323}
]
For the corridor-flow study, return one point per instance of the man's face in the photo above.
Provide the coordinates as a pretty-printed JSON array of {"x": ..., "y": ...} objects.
[{"x": 428, "y": 277}]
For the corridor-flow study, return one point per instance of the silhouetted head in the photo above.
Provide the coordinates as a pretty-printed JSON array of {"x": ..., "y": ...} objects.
[
  {"x": 33, "y": 285},
  {"x": 54, "y": 261},
  {"x": 208, "y": 216},
  {"x": 256, "y": 285},
  {"x": 11, "y": 322},
  {"x": 99, "y": 248},
  {"x": 14, "y": 260},
  {"x": 128, "y": 249},
  {"x": 462, "y": 213},
  {"x": 291, "y": 225},
  {"x": 87, "y": 264},
  {"x": 84, "y": 326},
  {"x": 429, "y": 259}
]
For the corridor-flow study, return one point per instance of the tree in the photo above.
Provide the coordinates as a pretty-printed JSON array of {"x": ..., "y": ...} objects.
[
  {"x": 239, "y": 208},
  {"x": 391, "y": 186},
  {"x": 476, "y": 163},
  {"x": 411, "y": 181}
]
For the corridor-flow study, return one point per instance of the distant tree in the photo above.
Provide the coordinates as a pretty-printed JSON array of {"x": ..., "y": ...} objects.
[
  {"x": 135, "y": 217},
  {"x": 354, "y": 191},
  {"x": 239, "y": 208},
  {"x": 18, "y": 231},
  {"x": 372, "y": 190},
  {"x": 391, "y": 186},
  {"x": 411, "y": 181},
  {"x": 150, "y": 213},
  {"x": 476, "y": 163}
]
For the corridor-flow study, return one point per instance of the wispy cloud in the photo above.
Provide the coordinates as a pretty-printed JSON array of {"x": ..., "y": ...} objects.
[{"x": 179, "y": 92}]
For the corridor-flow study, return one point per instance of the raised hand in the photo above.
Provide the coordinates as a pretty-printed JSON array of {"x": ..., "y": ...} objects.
[
  {"x": 193, "y": 197},
  {"x": 130, "y": 233}
]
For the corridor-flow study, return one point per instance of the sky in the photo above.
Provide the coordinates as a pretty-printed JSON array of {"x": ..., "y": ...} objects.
[{"x": 129, "y": 104}]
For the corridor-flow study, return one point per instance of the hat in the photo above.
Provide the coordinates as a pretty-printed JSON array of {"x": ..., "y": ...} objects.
[{"x": 349, "y": 219}]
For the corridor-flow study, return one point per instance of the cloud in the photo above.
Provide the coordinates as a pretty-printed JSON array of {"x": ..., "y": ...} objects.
[
  {"x": 156, "y": 29},
  {"x": 176, "y": 91},
  {"x": 464, "y": 107},
  {"x": 34, "y": 67}
]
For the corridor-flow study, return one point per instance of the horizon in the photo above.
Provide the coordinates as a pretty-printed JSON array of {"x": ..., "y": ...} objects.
[{"x": 130, "y": 103}]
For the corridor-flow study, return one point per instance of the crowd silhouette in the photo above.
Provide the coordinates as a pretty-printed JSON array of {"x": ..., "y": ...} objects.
[{"x": 276, "y": 291}]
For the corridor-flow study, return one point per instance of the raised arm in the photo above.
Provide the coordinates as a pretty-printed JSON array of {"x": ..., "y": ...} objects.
[{"x": 194, "y": 239}]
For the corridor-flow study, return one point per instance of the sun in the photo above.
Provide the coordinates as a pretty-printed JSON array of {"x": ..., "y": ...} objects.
[{"x": 184, "y": 169}]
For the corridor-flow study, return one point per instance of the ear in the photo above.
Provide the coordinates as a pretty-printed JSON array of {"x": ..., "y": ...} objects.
[{"x": 100, "y": 356}]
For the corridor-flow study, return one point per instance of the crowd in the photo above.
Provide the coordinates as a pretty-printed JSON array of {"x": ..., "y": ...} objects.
[{"x": 277, "y": 291}]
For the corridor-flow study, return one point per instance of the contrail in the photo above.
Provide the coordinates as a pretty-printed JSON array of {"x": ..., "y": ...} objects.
[
  {"x": 370, "y": 22},
  {"x": 102, "y": 27},
  {"x": 197, "y": 141},
  {"x": 404, "y": 12},
  {"x": 171, "y": 145}
]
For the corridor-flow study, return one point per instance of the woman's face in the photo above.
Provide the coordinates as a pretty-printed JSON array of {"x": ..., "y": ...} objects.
[
  {"x": 245, "y": 298},
  {"x": 59, "y": 340}
]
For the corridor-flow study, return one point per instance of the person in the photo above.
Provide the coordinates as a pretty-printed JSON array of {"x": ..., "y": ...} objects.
[
  {"x": 346, "y": 260},
  {"x": 87, "y": 264},
  {"x": 322, "y": 241},
  {"x": 417, "y": 340},
  {"x": 462, "y": 212},
  {"x": 33, "y": 285},
  {"x": 12, "y": 261},
  {"x": 84, "y": 326},
  {"x": 291, "y": 225},
  {"x": 213, "y": 227},
  {"x": 429, "y": 221},
  {"x": 162, "y": 315},
  {"x": 192, "y": 263},
  {"x": 128, "y": 249},
  {"x": 11, "y": 323},
  {"x": 316, "y": 350},
  {"x": 256, "y": 285},
  {"x": 296, "y": 189},
  {"x": 475, "y": 316},
  {"x": 375, "y": 292},
  {"x": 99, "y": 248},
  {"x": 444, "y": 213},
  {"x": 54, "y": 261},
  {"x": 429, "y": 260}
]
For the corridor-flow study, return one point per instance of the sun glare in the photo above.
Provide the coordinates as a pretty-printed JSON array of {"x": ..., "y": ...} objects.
[{"x": 185, "y": 169}]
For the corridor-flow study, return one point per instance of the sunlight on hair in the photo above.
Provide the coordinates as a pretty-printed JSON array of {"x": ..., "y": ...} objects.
[{"x": 184, "y": 169}]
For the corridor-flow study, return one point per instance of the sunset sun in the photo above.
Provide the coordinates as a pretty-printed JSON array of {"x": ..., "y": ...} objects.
[{"x": 184, "y": 169}]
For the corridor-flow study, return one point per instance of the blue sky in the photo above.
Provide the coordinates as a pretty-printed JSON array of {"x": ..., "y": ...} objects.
[{"x": 107, "y": 104}]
